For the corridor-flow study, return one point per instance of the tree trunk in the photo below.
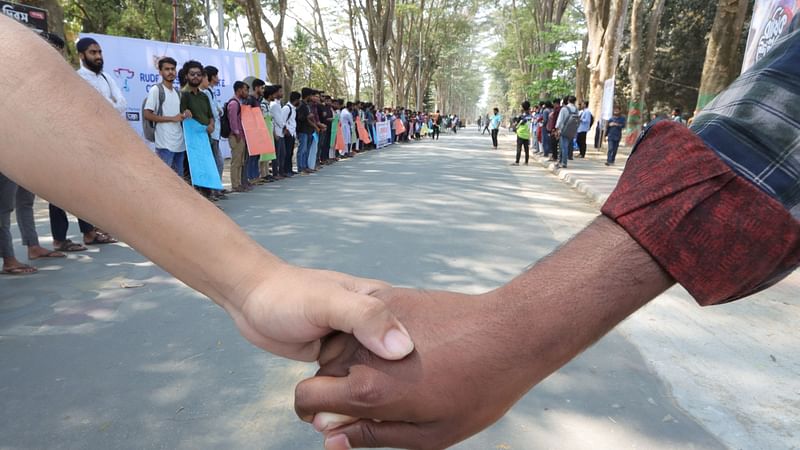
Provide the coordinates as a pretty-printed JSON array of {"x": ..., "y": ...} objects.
[
  {"x": 722, "y": 63},
  {"x": 252, "y": 10},
  {"x": 605, "y": 20},
  {"x": 582, "y": 72},
  {"x": 356, "y": 49},
  {"x": 643, "y": 43}
]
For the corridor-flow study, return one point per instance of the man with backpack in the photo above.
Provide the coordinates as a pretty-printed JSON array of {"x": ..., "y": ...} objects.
[
  {"x": 163, "y": 109},
  {"x": 567, "y": 128},
  {"x": 587, "y": 120},
  {"x": 233, "y": 130}
]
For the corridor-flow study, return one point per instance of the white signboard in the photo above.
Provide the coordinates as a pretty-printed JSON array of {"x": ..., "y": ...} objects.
[
  {"x": 133, "y": 63},
  {"x": 384, "y": 132},
  {"x": 607, "y": 106}
]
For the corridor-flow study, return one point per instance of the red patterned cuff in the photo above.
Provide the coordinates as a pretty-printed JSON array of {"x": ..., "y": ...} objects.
[{"x": 716, "y": 233}]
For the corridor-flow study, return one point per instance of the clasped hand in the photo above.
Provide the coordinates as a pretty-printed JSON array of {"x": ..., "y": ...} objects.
[{"x": 453, "y": 385}]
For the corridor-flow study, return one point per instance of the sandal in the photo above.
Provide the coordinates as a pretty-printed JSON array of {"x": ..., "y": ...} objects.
[
  {"x": 50, "y": 254},
  {"x": 101, "y": 239},
  {"x": 20, "y": 270},
  {"x": 69, "y": 246}
]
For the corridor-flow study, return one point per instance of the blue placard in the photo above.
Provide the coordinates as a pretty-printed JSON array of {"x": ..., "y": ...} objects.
[{"x": 202, "y": 166}]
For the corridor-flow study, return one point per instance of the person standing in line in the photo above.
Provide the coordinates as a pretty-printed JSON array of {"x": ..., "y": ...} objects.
[
  {"x": 546, "y": 111},
  {"x": 255, "y": 171},
  {"x": 567, "y": 128},
  {"x": 273, "y": 94},
  {"x": 16, "y": 197},
  {"x": 237, "y": 139},
  {"x": 305, "y": 130},
  {"x": 346, "y": 119},
  {"x": 523, "y": 132},
  {"x": 437, "y": 125},
  {"x": 168, "y": 124},
  {"x": 91, "y": 70},
  {"x": 587, "y": 120},
  {"x": 551, "y": 126},
  {"x": 197, "y": 105},
  {"x": 208, "y": 86},
  {"x": 325, "y": 118},
  {"x": 614, "y": 129},
  {"x": 290, "y": 116},
  {"x": 494, "y": 126}
]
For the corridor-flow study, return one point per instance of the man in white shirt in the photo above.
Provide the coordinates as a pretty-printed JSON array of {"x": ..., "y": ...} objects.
[
  {"x": 167, "y": 116},
  {"x": 290, "y": 117},
  {"x": 92, "y": 71},
  {"x": 274, "y": 94},
  {"x": 586, "y": 123},
  {"x": 346, "y": 119}
]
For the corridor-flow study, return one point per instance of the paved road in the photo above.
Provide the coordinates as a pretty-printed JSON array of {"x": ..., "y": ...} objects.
[{"x": 87, "y": 364}]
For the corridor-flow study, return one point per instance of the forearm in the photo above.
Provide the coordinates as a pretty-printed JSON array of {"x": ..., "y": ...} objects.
[
  {"x": 125, "y": 186},
  {"x": 570, "y": 299}
]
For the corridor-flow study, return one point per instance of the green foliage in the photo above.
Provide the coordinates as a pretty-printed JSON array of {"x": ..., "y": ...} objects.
[
  {"x": 135, "y": 18},
  {"x": 306, "y": 58}
]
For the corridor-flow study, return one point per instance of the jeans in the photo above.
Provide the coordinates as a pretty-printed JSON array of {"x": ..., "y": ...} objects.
[
  {"x": 545, "y": 143},
  {"x": 288, "y": 153},
  {"x": 173, "y": 159},
  {"x": 494, "y": 137},
  {"x": 566, "y": 150},
  {"x": 303, "y": 149},
  {"x": 613, "y": 146},
  {"x": 312, "y": 153},
  {"x": 436, "y": 130},
  {"x": 220, "y": 162},
  {"x": 520, "y": 144},
  {"x": 251, "y": 167},
  {"x": 238, "y": 154},
  {"x": 59, "y": 224},
  {"x": 280, "y": 157},
  {"x": 582, "y": 143},
  {"x": 16, "y": 197}
]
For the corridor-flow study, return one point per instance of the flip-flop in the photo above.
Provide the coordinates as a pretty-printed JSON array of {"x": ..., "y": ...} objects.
[
  {"x": 100, "y": 239},
  {"x": 69, "y": 246},
  {"x": 20, "y": 270},
  {"x": 50, "y": 254}
]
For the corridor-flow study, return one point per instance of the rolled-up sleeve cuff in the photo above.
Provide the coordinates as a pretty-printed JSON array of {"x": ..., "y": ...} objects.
[{"x": 713, "y": 231}]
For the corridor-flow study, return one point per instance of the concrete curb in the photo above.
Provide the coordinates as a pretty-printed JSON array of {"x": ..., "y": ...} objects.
[{"x": 576, "y": 182}]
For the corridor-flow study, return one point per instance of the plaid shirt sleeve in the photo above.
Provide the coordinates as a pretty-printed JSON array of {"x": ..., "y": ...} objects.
[{"x": 717, "y": 205}]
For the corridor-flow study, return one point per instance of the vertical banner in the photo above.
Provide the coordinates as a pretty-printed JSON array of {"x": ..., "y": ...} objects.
[
  {"x": 607, "y": 105},
  {"x": 133, "y": 64},
  {"x": 771, "y": 20},
  {"x": 383, "y": 134},
  {"x": 362, "y": 131},
  {"x": 201, "y": 160}
]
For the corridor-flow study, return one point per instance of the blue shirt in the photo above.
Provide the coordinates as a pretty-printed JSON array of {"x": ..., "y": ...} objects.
[
  {"x": 615, "y": 133},
  {"x": 495, "y": 124},
  {"x": 586, "y": 121}
]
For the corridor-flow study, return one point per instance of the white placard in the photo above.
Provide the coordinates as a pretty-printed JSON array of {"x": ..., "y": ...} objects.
[{"x": 384, "y": 132}]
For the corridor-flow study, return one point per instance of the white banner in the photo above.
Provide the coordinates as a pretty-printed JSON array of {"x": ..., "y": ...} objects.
[
  {"x": 134, "y": 65},
  {"x": 607, "y": 105},
  {"x": 384, "y": 132},
  {"x": 771, "y": 20}
]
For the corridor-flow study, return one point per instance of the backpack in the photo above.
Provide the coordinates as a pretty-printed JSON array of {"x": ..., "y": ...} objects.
[
  {"x": 149, "y": 127},
  {"x": 570, "y": 129},
  {"x": 225, "y": 123}
]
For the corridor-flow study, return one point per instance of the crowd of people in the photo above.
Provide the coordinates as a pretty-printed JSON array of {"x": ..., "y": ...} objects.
[
  {"x": 302, "y": 130},
  {"x": 558, "y": 128}
]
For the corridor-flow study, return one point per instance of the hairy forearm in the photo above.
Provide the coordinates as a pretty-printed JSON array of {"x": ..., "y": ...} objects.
[
  {"x": 79, "y": 154},
  {"x": 573, "y": 297}
]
